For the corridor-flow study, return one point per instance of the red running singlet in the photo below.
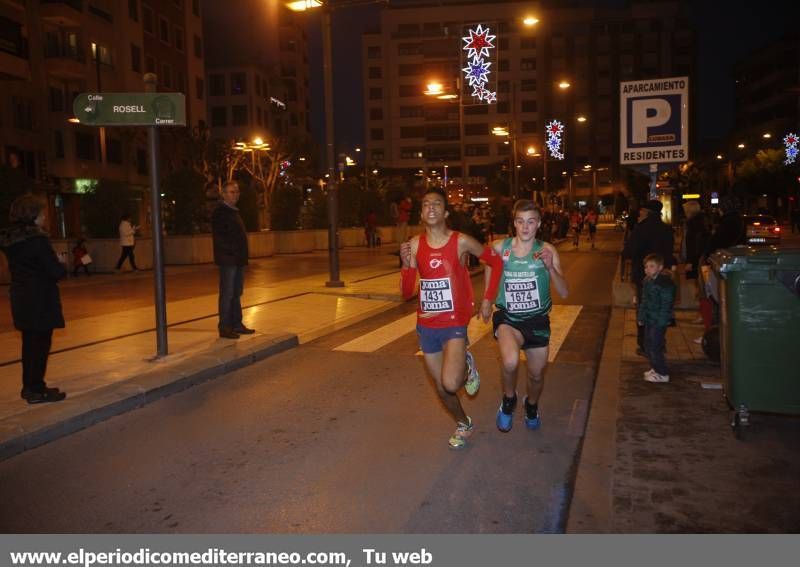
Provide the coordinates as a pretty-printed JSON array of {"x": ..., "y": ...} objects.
[{"x": 445, "y": 288}]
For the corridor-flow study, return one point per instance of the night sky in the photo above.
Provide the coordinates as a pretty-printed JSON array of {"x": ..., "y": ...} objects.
[{"x": 724, "y": 32}]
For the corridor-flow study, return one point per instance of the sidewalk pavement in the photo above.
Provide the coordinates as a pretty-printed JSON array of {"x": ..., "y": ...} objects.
[
  {"x": 107, "y": 364},
  {"x": 662, "y": 458}
]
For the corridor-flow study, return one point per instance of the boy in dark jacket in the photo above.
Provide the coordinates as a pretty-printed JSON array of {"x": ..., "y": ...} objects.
[{"x": 655, "y": 313}]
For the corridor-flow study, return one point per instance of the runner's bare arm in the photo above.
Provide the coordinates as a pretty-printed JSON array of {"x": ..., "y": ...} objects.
[
  {"x": 552, "y": 261},
  {"x": 491, "y": 258},
  {"x": 408, "y": 273}
]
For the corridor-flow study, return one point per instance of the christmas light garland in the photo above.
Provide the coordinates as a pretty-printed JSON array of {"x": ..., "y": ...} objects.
[
  {"x": 554, "y": 130},
  {"x": 790, "y": 141},
  {"x": 477, "y": 45}
]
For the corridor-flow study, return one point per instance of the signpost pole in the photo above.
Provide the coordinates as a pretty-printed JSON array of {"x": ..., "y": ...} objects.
[
  {"x": 653, "y": 180},
  {"x": 333, "y": 193},
  {"x": 158, "y": 247}
]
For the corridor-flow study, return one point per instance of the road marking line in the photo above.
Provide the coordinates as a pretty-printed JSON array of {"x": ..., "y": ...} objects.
[{"x": 381, "y": 336}]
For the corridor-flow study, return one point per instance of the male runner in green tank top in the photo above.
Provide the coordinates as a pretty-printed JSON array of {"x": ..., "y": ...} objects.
[{"x": 522, "y": 321}]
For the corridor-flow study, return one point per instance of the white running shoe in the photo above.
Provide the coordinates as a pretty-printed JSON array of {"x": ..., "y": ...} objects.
[{"x": 657, "y": 378}]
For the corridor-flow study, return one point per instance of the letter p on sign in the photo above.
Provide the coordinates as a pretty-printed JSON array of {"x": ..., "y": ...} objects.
[{"x": 648, "y": 113}]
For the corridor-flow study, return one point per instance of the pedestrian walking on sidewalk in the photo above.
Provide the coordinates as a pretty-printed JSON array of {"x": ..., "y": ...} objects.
[
  {"x": 80, "y": 258},
  {"x": 445, "y": 305},
  {"x": 654, "y": 314},
  {"x": 522, "y": 321},
  {"x": 230, "y": 254},
  {"x": 591, "y": 222},
  {"x": 35, "y": 300},
  {"x": 127, "y": 235}
]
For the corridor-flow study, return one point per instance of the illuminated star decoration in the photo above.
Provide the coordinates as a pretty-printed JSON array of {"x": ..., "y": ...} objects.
[
  {"x": 477, "y": 72},
  {"x": 554, "y": 129},
  {"x": 790, "y": 141},
  {"x": 477, "y": 45},
  {"x": 284, "y": 165},
  {"x": 478, "y": 42}
]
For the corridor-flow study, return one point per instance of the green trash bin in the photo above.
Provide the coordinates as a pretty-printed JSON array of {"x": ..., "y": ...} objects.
[{"x": 759, "y": 294}]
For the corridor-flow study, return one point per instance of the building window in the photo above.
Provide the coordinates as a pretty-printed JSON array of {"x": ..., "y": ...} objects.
[
  {"x": 198, "y": 47},
  {"x": 199, "y": 87},
  {"x": 58, "y": 144},
  {"x": 412, "y": 111},
  {"x": 375, "y": 73},
  {"x": 219, "y": 116},
  {"x": 166, "y": 75},
  {"x": 136, "y": 58},
  {"x": 258, "y": 86},
  {"x": 238, "y": 83},
  {"x": 23, "y": 113},
  {"x": 375, "y": 93},
  {"x": 178, "y": 32},
  {"x": 163, "y": 30},
  {"x": 528, "y": 126},
  {"x": 147, "y": 19},
  {"x": 114, "y": 151},
  {"x": 258, "y": 115},
  {"x": 180, "y": 81},
  {"x": 476, "y": 109},
  {"x": 527, "y": 43},
  {"x": 376, "y": 114},
  {"x": 103, "y": 52},
  {"x": 149, "y": 64},
  {"x": 377, "y": 155},
  {"x": 527, "y": 85},
  {"x": 529, "y": 106},
  {"x": 411, "y": 153},
  {"x": 85, "y": 145},
  {"x": 196, "y": 7},
  {"x": 527, "y": 64},
  {"x": 503, "y": 65},
  {"x": 502, "y": 107},
  {"x": 216, "y": 85},
  {"x": 373, "y": 52},
  {"x": 56, "y": 99},
  {"x": 239, "y": 115},
  {"x": 376, "y": 134},
  {"x": 133, "y": 10}
]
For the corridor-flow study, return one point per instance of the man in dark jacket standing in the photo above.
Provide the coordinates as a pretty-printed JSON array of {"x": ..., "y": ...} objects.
[
  {"x": 650, "y": 236},
  {"x": 230, "y": 254},
  {"x": 35, "y": 301}
]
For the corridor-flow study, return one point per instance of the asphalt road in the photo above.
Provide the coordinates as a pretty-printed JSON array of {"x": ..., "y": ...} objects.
[{"x": 317, "y": 440}]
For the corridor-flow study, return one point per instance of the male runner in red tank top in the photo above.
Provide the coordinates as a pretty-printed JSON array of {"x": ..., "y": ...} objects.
[{"x": 445, "y": 303}]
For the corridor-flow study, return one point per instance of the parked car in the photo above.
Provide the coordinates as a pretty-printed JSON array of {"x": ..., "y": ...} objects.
[{"x": 762, "y": 229}]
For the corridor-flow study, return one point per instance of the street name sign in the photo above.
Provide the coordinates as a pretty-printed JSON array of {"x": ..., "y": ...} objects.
[
  {"x": 130, "y": 109},
  {"x": 654, "y": 121}
]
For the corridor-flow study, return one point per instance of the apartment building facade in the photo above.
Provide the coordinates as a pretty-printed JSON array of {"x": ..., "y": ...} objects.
[
  {"x": 52, "y": 50},
  {"x": 257, "y": 71},
  {"x": 592, "y": 49}
]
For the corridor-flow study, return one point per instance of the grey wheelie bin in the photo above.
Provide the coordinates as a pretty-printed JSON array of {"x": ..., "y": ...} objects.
[{"x": 759, "y": 330}]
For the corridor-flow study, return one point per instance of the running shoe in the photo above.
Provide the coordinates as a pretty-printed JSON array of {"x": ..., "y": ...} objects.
[
  {"x": 531, "y": 422},
  {"x": 657, "y": 378},
  {"x": 505, "y": 415},
  {"x": 648, "y": 373},
  {"x": 473, "y": 382},
  {"x": 463, "y": 430}
]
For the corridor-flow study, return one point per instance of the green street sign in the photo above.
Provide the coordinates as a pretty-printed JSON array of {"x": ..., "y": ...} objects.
[{"x": 130, "y": 109}]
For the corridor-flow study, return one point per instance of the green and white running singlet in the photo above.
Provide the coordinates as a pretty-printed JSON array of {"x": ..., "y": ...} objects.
[{"x": 525, "y": 285}]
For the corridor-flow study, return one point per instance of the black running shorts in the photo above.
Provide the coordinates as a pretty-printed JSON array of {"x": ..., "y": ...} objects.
[{"x": 535, "y": 330}]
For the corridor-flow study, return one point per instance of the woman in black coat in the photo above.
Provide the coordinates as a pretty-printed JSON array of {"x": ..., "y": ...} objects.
[{"x": 35, "y": 301}]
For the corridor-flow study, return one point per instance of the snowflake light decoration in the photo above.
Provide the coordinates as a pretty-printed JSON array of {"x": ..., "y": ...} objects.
[
  {"x": 477, "y": 45},
  {"x": 554, "y": 130},
  {"x": 790, "y": 141}
]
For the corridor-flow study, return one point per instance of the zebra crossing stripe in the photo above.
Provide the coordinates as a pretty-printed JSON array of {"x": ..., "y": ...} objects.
[
  {"x": 381, "y": 336},
  {"x": 562, "y": 318}
]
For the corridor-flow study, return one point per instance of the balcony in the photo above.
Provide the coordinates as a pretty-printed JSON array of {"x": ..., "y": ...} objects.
[
  {"x": 14, "y": 67},
  {"x": 65, "y": 62},
  {"x": 62, "y": 12}
]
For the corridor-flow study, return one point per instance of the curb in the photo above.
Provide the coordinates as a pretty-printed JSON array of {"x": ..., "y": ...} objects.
[
  {"x": 32, "y": 429},
  {"x": 591, "y": 508}
]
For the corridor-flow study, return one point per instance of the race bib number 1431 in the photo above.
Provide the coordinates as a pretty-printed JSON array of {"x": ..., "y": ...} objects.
[{"x": 435, "y": 296}]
